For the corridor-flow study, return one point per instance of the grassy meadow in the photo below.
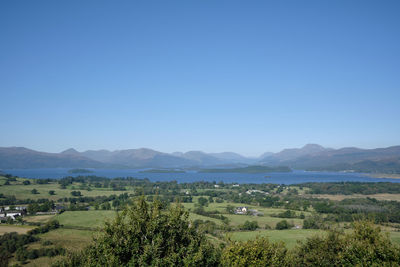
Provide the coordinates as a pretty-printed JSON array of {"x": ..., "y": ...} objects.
[
  {"x": 20, "y": 229},
  {"x": 91, "y": 219},
  {"x": 21, "y": 191},
  {"x": 289, "y": 237}
]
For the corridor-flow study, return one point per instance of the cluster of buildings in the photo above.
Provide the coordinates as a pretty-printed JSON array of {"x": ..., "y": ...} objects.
[
  {"x": 10, "y": 212},
  {"x": 13, "y": 212},
  {"x": 247, "y": 211},
  {"x": 252, "y": 191}
]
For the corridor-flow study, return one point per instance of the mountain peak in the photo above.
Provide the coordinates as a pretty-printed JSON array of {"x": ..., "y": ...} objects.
[
  {"x": 177, "y": 154},
  {"x": 70, "y": 151},
  {"x": 314, "y": 147}
]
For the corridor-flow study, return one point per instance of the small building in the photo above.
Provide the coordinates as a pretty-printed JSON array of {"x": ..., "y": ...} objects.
[
  {"x": 13, "y": 215},
  {"x": 241, "y": 210},
  {"x": 252, "y": 191}
]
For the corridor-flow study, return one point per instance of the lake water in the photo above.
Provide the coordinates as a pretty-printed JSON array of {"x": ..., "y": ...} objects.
[{"x": 294, "y": 177}]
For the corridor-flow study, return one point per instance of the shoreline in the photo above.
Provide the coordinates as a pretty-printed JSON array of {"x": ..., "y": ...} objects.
[{"x": 383, "y": 175}]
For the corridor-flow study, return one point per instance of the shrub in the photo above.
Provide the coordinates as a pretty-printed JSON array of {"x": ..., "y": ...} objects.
[
  {"x": 259, "y": 252},
  {"x": 47, "y": 243},
  {"x": 314, "y": 222},
  {"x": 365, "y": 246},
  {"x": 34, "y": 191},
  {"x": 250, "y": 226},
  {"x": 144, "y": 235},
  {"x": 283, "y": 225},
  {"x": 76, "y": 193},
  {"x": 202, "y": 201}
]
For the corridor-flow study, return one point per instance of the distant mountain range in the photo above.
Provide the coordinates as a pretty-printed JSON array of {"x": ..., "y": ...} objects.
[
  {"x": 309, "y": 157},
  {"x": 315, "y": 157}
]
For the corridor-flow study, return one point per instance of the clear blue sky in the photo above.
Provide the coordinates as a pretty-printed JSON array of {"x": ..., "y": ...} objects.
[{"x": 243, "y": 76}]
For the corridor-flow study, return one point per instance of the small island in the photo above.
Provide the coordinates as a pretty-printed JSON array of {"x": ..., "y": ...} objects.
[
  {"x": 249, "y": 169},
  {"x": 162, "y": 171},
  {"x": 80, "y": 171}
]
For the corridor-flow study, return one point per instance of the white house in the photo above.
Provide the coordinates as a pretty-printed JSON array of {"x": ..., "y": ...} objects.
[
  {"x": 241, "y": 210},
  {"x": 12, "y": 215}
]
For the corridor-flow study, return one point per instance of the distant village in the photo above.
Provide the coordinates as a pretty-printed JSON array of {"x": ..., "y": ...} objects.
[{"x": 9, "y": 214}]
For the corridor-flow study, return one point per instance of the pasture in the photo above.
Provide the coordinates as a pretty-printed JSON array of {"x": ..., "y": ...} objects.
[
  {"x": 21, "y": 191},
  {"x": 20, "y": 229},
  {"x": 91, "y": 219},
  {"x": 387, "y": 197},
  {"x": 289, "y": 237}
]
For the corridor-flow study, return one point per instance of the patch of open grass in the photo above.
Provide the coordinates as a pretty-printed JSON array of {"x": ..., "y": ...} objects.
[
  {"x": 42, "y": 261},
  {"x": 71, "y": 239},
  {"x": 193, "y": 217},
  {"x": 20, "y": 229},
  {"x": 236, "y": 220},
  {"x": 38, "y": 218},
  {"x": 390, "y": 197},
  {"x": 395, "y": 237},
  {"x": 289, "y": 237},
  {"x": 21, "y": 191},
  {"x": 85, "y": 219}
]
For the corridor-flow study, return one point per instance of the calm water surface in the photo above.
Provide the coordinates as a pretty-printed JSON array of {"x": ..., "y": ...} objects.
[{"x": 258, "y": 178}]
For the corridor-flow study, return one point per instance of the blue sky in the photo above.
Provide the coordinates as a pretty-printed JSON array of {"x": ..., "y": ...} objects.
[{"x": 243, "y": 76}]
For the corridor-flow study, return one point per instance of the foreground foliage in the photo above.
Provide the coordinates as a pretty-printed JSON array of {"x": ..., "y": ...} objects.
[
  {"x": 365, "y": 246},
  {"x": 145, "y": 235},
  {"x": 259, "y": 252},
  {"x": 14, "y": 242}
]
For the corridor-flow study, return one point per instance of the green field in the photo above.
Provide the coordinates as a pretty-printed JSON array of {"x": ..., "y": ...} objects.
[
  {"x": 71, "y": 239},
  {"x": 395, "y": 236},
  {"x": 236, "y": 220},
  {"x": 24, "y": 191},
  {"x": 20, "y": 229},
  {"x": 77, "y": 239},
  {"x": 38, "y": 218},
  {"x": 85, "y": 219},
  {"x": 289, "y": 237}
]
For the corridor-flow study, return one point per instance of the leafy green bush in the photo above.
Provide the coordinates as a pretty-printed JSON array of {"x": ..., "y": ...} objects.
[
  {"x": 34, "y": 191},
  {"x": 250, "y": 226},
  {"x": 76, "y": 193},
  {"x": 145, "y": 235},
  {"x": 365, "y": 246},
  {"x": 202, "y": 201},
  {"x": 285, "y": 214},
  {"x": 314, "y": 222},
  {"x": 12, "y": 242},
  {"x": 259, "y": 252},
  {"x": 283, "y": 225}
]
